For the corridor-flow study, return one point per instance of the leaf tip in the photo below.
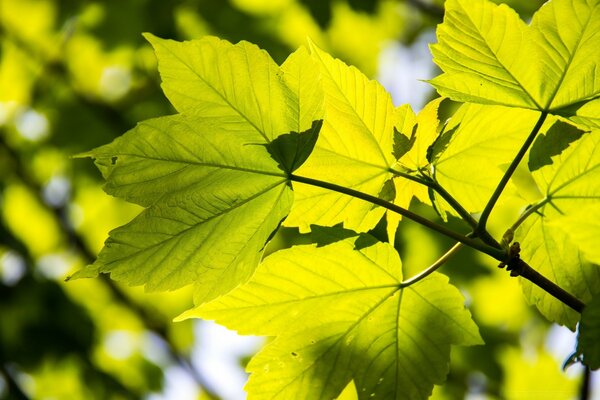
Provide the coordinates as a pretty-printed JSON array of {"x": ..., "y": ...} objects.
[
  {"x": 187, "y": 314},
  {"x": 151, "y": 38},
  {"x": 85, "y": 154},
  {"x": 89, "y": 271}
]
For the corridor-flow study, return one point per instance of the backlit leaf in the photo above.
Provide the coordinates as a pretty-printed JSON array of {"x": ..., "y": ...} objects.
[
  {"x": 339, "y": 314},
  {"x": 489, "y": 55},
  {"x": 583, "y": 227},
  {"x": 213, "y": 196},
  {"x": 484, "y": 141},
  {"x": 427, "y": 123},
  {"x": 570, "y": 184},
  {"x": 412, "y": 138},
  {"x": 587, "y": 114},
  {"x": 354, "y": 149},
  {"x": 235, "y": 84},
  {"x": 213, "y": 179}
]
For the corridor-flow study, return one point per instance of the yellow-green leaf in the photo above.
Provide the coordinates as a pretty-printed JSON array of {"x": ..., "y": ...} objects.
[
  {"x": 214, "y": 178},
  {"x": 490, "y": 56},
  {"x": 339, "y": 313},
  {"x": 213, "y": 195},
  {"x": 236, "y": 84},
  {"x": 570, "y": 185},
  {"x": 354, "y": 149},
  {"x": 484, "y": 141}
]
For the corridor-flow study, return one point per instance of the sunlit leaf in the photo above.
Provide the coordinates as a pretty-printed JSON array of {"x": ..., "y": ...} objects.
[
  {"x": 570, "y": 184},
  {"x": 427, "y": 122},
  {"x": 587, "y": 114},
  {"x": 213, "y": 196},
  {"x": 214, "y": 179},
  {"x": 234, "y": 84},
  {"x": 413, "y": 136},
  {"x": 339, "y": 314},
  {"x": 354, "y": 149},
  {"x": 483, "y": 142},
  {"x": 583, "y": 227},
  {"x": 489, "y": 55}
]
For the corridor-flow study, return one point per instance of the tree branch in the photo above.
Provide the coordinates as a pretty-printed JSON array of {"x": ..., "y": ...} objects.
[
  {"x": 460, "y": 210},
  {"x": 484, "y": 248},
  {"x": 518, "y": 267}
]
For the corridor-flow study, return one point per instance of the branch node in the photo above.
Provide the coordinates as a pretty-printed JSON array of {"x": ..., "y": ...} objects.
[{"x": 514, "y": 264}]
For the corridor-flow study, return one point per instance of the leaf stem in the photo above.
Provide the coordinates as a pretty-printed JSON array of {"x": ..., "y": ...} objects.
[
  {"x": 462, "y": 212},
  {"x": 530, "y": 210},
  {"x": 433, "y": 267},
  {"x": 585, "y": 389},
  {"x": 410, "y": 177},
  {"x": 508, "y": 174},
  {"x": 484, "y": 248}
]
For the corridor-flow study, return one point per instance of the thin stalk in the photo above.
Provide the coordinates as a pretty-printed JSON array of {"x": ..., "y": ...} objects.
[
  {"x": 461, "y": 211},
  {"x": 433, "y": 267},
  {"x": 586, "y": 383},
  {"x": 430, "y": 183},
  {"x": 527, "y": 213},
  {"x": 484, "y": 248},
  {"x": 422, "y": 181},
  {"x": 509, "y": 172}
]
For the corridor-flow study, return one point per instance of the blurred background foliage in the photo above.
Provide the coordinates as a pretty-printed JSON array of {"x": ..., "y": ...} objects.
[{"x": 75, "y": 74}]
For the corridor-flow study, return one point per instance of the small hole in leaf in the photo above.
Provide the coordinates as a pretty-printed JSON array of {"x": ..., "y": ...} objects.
[
  {"x": 113, "y": 160},
  {"x": 294, "y": 354}
]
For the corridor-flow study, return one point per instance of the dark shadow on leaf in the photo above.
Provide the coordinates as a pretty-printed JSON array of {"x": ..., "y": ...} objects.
[
  {"x": 326, "y": 235},
  {"x": 387, "y": 192},
  {"x": 291, "y": 150},
  {"x": 553, "y": 143},
  {"x": 440, "y": 144},
  {"x": 402, "y": 143}
]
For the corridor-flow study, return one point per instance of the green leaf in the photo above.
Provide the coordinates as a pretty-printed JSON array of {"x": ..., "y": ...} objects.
[
  {"x": 354, "y": 149},
  {"x": 419, "y": 131},
  {"x": 235, "y": 84},
  {"x": 587, "y": 114},
  {"x": 570, "y": 184},
  {"x": 484, "y": 141},
  {"x": 213, "y": 179},
  {"x": 589, "y": 332},
  {"x": 490, "y": 56},
  {"x": 583, "y": 228},
  {"x": 553, "y": 254},
  {"x": 213, "y": 196},
  {"x": 427, "y": 123},
  {"x": 339, "y": 313}
]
